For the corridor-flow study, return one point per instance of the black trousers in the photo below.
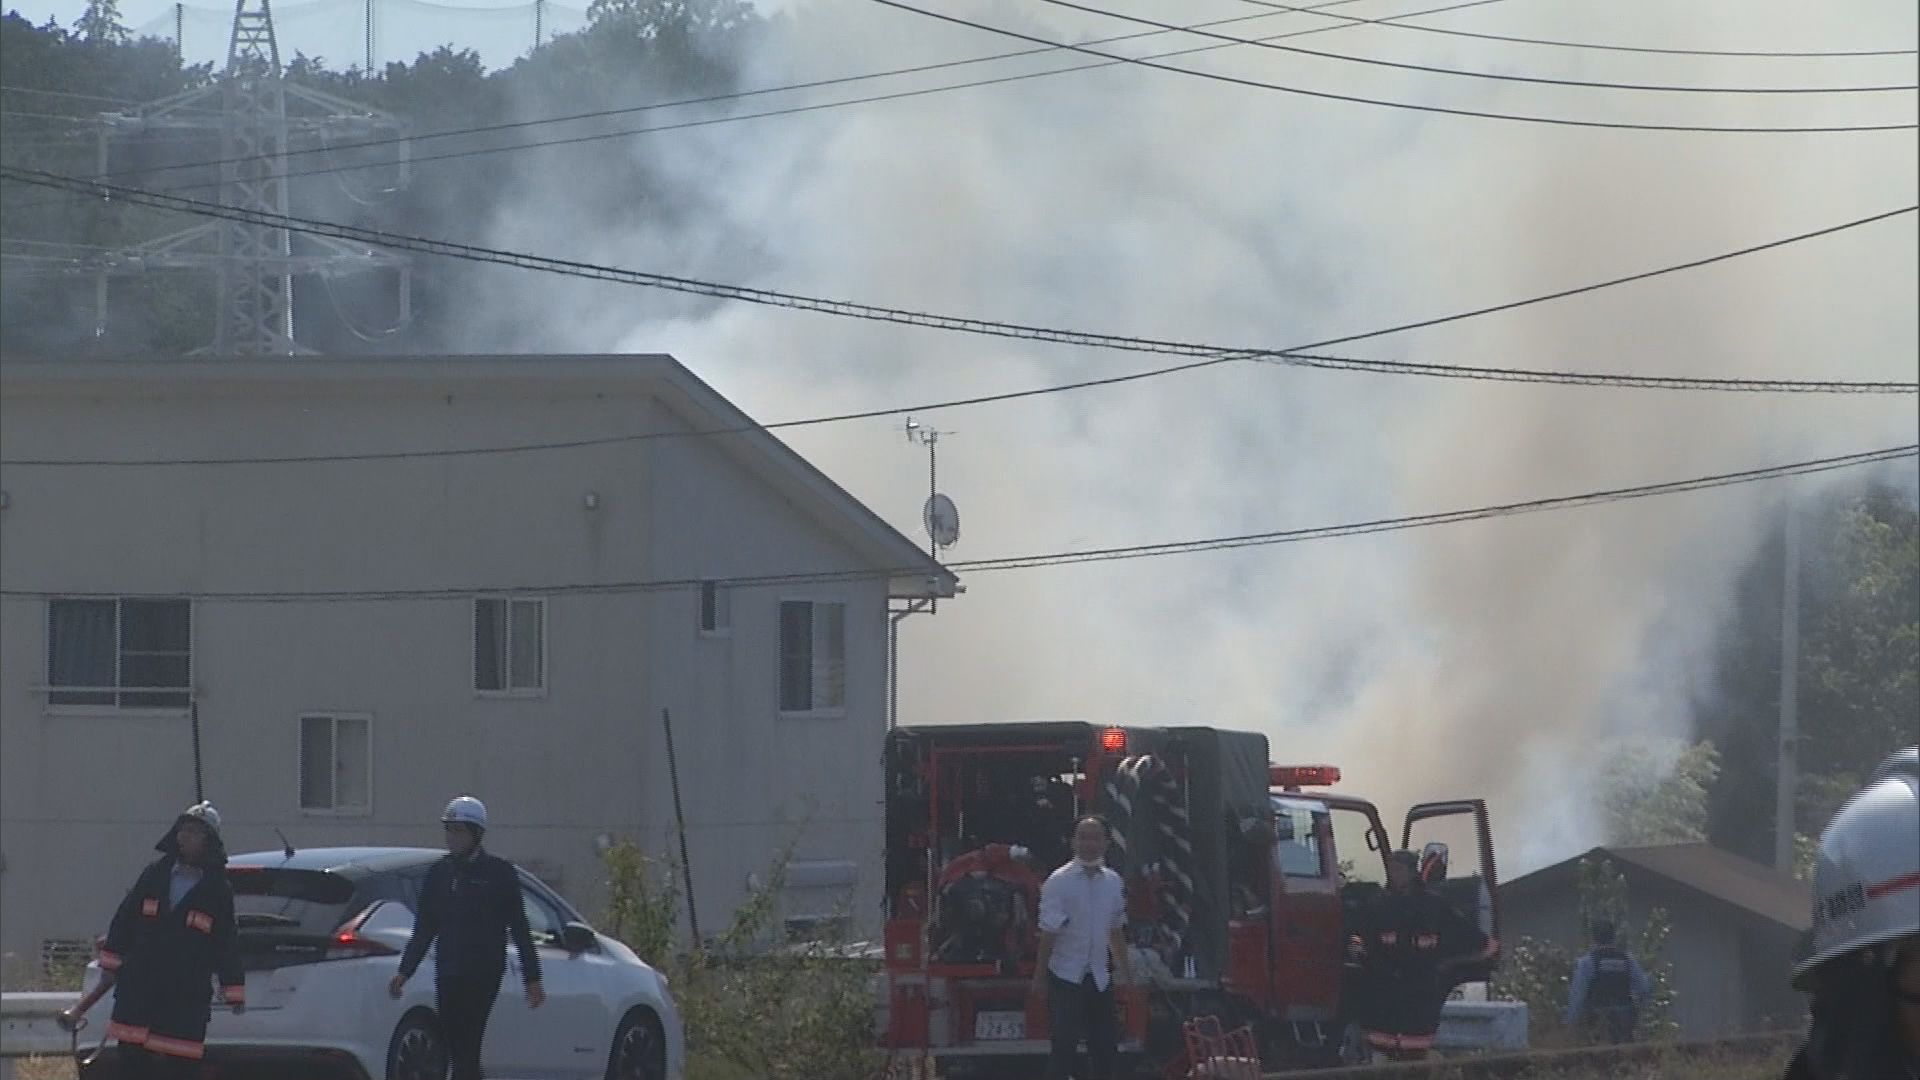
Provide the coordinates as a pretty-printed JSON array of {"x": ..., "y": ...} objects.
[
  {"x": 465, "y": 1004},
  {"x": 1615, "y": 1023},
  {"x": 139, "y": 1063},
  {"x": 1081, "y": 1012}
]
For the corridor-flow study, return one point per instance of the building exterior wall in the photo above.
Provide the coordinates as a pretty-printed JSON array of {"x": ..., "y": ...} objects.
[
  {"x": 84, "y": 791},
  {"x": 1726, "y": 970},
  {"x": 814, "y": 780}
]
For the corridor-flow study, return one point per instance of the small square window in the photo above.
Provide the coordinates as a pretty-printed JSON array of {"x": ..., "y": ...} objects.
[
  {"x": 336, "y": 764},
  {"x": 813, "y": 656},
  {"x": 509, "y": 645}
]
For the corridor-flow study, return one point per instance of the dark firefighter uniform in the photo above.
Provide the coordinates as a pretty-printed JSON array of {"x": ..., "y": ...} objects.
[
  {"x": 1399, "y": 943},
  {"x": 469, "y": 904},
  {"x": 165, "y": 956}
]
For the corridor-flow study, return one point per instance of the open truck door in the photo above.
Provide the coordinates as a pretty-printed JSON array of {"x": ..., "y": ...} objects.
[{"x": 1455, "y": 843}]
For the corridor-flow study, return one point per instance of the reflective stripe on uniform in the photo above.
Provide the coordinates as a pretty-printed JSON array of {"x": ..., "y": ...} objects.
[
  {"x": 126, "y": 1033},
  {"x": 172, "y": 1047}
]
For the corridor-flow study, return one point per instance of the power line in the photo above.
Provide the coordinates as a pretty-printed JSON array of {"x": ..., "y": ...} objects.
[
  {"x": 1060, "y": 558},
  {"x": 1463, "y": 73},
  {"x": 1451, "y": 517},
  {"x": 633, "y": 437},
  {"x": 1301, "y": 355},
  {"x": 1328, "y": 95},
  {"x": 811, "y": 421},
  {"x": 1597, "y": 46}
]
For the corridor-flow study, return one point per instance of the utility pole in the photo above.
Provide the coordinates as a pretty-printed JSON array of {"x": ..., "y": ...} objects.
[{"x": 1786, "y": 772}]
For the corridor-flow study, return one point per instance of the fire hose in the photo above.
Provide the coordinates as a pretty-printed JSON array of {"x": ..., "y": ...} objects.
[{"x": 1146, "y": 775}]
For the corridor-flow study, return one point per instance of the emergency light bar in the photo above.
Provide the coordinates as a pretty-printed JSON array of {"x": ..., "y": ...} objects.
[
  {"x": 1303, "y": 775},
  {"x": 1113, "y": 740}
]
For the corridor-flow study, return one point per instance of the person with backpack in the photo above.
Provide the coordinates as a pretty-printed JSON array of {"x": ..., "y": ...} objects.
[
  {"x": 1609, "y": 988},
  {"x": 469, "y": 905},
  {"x": 172, "y": 936}
]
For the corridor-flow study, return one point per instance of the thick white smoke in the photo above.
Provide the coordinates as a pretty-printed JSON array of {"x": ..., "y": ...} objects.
[{"x": 1477, "y": 659}]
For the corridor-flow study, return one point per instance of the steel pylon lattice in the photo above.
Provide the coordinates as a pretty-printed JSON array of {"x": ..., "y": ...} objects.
[
  {"x": 255, "y": 286},
  {"x": 256, "y": 115}
]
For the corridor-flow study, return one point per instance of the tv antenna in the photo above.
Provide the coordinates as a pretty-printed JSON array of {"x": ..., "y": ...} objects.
[{"x": 939, "y": 515}]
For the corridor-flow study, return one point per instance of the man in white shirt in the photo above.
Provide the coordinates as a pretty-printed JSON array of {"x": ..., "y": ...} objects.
[{"x": 1083, "y": 909}]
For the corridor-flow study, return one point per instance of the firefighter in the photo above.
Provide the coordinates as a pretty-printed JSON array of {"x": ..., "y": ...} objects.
[
  {"x": 171, "y": 937},
  {"x": 469, "y": 905},
  {"x": 1609, "y": 987},
  {"x": 1406, "y": 942},
  {"x": 1864, "y": 971}
]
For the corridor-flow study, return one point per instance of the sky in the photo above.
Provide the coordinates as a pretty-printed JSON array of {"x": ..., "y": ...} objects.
[{"x": 1497, "y": 658}]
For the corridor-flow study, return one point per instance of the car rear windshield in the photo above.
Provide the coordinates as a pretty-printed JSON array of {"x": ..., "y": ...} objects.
[{"x": 292, "y": 903}]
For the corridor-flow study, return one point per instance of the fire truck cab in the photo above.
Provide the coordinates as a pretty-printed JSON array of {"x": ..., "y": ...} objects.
[{"x": 1242, "y": 877}]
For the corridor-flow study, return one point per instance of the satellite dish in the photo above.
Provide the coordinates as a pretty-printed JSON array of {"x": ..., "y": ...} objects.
[{"x": 942, "y": 519}]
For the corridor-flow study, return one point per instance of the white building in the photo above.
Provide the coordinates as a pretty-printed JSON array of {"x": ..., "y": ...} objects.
[{"x": 366, "y": 635}]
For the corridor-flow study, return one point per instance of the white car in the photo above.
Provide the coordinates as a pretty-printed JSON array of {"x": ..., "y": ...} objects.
[{"x": 321, "y": 933}]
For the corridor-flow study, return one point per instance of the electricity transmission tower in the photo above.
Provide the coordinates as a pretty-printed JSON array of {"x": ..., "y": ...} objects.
[{"x": 255, "y": 113}]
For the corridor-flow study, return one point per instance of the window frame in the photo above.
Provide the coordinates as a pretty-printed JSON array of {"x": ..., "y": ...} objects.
[
  {"x": 119, "y": 691},
  {"x": 814, "y": 709},
  {"x": 333, "y": 748},
  {"x": 722, "y": 608},
  {"x": 1314, "y": 840},
  {"x": 507, "y": 600}
]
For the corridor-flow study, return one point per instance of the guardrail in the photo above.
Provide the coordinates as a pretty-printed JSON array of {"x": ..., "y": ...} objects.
[
  {"x": 28, "y": 1028},
  {"x": 1552, "y": 1062}
]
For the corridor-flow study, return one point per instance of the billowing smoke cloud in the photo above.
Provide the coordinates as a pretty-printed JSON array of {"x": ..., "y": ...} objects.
[{"x": 1488, "y": 658}]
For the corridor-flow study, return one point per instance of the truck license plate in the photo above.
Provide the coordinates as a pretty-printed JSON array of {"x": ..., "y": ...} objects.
[{"x": 999, "y": 1025}]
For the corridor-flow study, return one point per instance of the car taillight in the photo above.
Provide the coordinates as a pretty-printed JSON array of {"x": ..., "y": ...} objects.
[{"x": 347, "y": 945}]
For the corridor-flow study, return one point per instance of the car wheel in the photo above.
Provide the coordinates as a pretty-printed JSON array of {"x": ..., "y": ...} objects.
[
  {"x": 417, "y": 1052},
  {"x": 639, "y": 1049}
]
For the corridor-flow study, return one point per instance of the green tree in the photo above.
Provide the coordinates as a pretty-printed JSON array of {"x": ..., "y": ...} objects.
[
  {"x": 1647, "y": 802},
  {"x": 100, "y": 24},
  {"x": 1859, "y": 685}
]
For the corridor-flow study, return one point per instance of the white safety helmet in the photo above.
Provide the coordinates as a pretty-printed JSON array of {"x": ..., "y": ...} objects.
[
  {"x": 1866, "y": 884},
  {"x": 204, "y": 813},
  {"x": 466, "y": 810}
]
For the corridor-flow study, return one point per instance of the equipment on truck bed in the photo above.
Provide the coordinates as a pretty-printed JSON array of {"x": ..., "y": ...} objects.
[{"x": 1242, "y": 879}]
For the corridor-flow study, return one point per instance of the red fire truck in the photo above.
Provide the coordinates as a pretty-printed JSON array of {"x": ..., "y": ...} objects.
[{"x": 1241, "y": 876}]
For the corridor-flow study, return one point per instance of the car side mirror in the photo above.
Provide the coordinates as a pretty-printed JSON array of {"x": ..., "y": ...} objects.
[{"x": 577, "y": 938}]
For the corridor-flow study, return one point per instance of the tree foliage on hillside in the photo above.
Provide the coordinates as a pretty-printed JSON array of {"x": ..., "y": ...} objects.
[
  {"x": 1859, "y": 670},
  {"x": 632, "y": 53}
]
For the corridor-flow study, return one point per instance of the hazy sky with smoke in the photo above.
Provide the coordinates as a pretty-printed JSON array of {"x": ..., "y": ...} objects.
[
  {"x": 1475, "y": 659},
  {"x": 1483, "y": 658}
]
